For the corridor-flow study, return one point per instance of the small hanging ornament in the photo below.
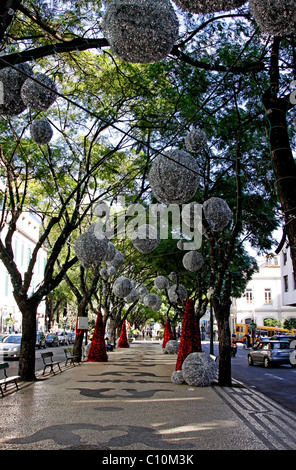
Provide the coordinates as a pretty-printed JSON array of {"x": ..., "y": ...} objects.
[
  {"x": 117, "y": 260},
  {"x": 161, "y": 282},
  {"x": 177, "y": 293},
  {"x": 132, "y": 296},
  {"x": 174, "y": 178},
  {"x": 193, "y": 261},
  {"x": 41, "y": 94},
  {"x": 145, "y": 239},
  {"x": 41, "y": 132},
  {"x": 122, "y": 287},
  {"x": 140, "y": 31},
  {"x": 217, "y": 213},
  {"x": 156, "y": 307},
  {"x": 104, "y": 273},
  {"x": 12, "y": 80},
  {"x": 111, "y": 271},
  {"x": 196, "y": 141},
  {"x": 209, "y": 6},
  {"x": 275, "y": 17},
  {"x": 90, "y": 250},
  {"x": 151, "y": 300}
]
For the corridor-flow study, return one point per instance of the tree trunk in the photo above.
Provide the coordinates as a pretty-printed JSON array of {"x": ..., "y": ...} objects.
[
  {"x": 78, "y": 343},
  {"x": 222, "y": 313},
  {"x": 28, "y": 344}
]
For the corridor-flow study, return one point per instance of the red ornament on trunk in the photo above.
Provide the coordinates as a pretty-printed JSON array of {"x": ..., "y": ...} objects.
[
  {"x": 123, "y": 343},
  {"x": 168, "y": 334},
  {"x": 190, "y": 338},
  {"x": 97, "y": 351}
]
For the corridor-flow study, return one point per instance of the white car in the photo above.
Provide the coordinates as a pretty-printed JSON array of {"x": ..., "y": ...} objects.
[{"x": 10, "y": 347}]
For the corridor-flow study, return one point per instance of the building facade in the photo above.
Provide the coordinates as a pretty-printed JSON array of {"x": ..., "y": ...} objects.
[
  {"x": 23, "y": 242},
  {"x": 264, "y": 297}
]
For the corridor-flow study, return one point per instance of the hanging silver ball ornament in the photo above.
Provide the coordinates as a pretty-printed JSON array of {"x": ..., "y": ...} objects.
[
  {"x": 41, "y": 132},
  {"x": 193, "y": 261},
  {"x": 89, "y": 250},
  {"x": 111, "y": 271},
  {"x": 150, "y": 300},
  {"x": 274, "y": 17},
  {"x": 110, "y": 253},
  {"x": 145, "y": 239},
  {"x": 122, "y": 287},
  {"x": 39, "y": 96},
  {"x": 142, "y": 290},
  {"x": 141, "y": 31},
  {"x": 174, "y": 177},
  {"x": 217, "y": 212},
  {"x": 12, "y": 80},
  {"x": 209, "y": 6},
  {"x": 101, "y": 209},
  {"x": 196, "y": 141},
  {"x": 173, "y": 276},
  {"x": 117, "y": 260},
  {"x": 104, "y": 273},
  {"x": 177, "y": 293},
  {"x": 132, "y": 296},
  {"x": 161, "y": 282},
  {"x": 156, "y": 307}
]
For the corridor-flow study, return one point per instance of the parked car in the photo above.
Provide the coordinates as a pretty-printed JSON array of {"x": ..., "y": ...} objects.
[
  {"x": 70, "y": 337},
  {"x": 63, "y": 338},
  {"x": 52, "y": 340},
  {"x": 40, "y": 340},
  {"x": 10, "y": 347},
  {"x": 270, "y": 352},
  {"x": 2, "y": 337}
]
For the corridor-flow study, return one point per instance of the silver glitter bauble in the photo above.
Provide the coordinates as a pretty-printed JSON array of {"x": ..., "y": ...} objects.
[
  {"x": 199, "y": 369},
  {"x": 209, "y": 6},
  {"x": 171, "y": 347},
  {"x": 173, "y": 276},
  {"x": 111, "y": 252},
  {"x": 41, "y": 132},
  {"x": 177, "y": 293},
  {"x": 161, "y": 282},
  {"x": 150, "y": 300},
  {"x": 142, "y": 290},
  {"x": 274, "y": 17},
  {"x": 173, "y": 178},
  {"x": 193, "y": 261},
  {"x": 122, "y": 287},
  {"x": 132, "y": 296},
  {"x": 177, "y": 377},
  {"x": 196, "y": 140},
  {"x": 217, "y": 212},
  {"x": 12, "y": 80},
  {"x": 156, "y": 307},
  {"x": 111, "y": 271},
  {"x": 39, "y": 96},
  {"x": 89, "y": 250},
  {"x": 145, "y": 239},
  {"x": 117, "y": 260},
  {"x": 101, "y": 209},
  {"x": 104, "y": 273},
  {"x": 140, "y": 31}
]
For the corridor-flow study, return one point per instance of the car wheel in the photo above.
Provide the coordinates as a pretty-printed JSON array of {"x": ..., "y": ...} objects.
[
  {"x": 250, "y": 361},
  {"x": 266, "y": 362}
]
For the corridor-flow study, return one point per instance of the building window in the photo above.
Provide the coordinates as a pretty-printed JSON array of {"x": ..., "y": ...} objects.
[
  {"x": 284, "y": 258},
  {"x": 286, "y": 284},
  {"x": 249, "y": 296},
  {"x": 267, "y": 296}
]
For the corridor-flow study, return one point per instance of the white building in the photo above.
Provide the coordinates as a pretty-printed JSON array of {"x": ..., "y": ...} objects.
[
  {"x": 288, "y": 282},
  {"x": 264, "y": 297},
  {"x": 24, "y": 241}
]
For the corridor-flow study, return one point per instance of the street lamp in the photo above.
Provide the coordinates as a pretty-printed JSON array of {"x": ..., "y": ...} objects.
[{"x": 209, "y": 297}]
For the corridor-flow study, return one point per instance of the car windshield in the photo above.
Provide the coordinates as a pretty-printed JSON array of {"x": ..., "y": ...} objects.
[{"x": 13, "y": 339}]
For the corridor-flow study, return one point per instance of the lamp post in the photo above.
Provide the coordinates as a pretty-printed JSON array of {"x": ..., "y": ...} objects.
[{"x": 209, "y": 297}]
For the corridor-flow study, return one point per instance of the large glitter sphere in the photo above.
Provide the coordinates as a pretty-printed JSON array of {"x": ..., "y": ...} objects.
[
  {"x": 150, "y": 300},
  {"x": 177, "y": 293},
  {"x": 90, "y": 250},
  {"x": 141, "y": 31},
  {"x": 161, "y": 282},
  {"x": 171, "y": 347},
  {"x": 274, "y": 17},
  {"x": 156, "y": 307},
  {"x": 174, "y": 177},
  {"x": 209, "y": 6},
  {"x": 196, "y": 140},
  {"x": 41, "y": 132},
  {"x": 132, "y": 296},
  {"x": 199, "y": 369},
  {"x": 111, "y": 252},
  {"x": 39, "y": 96},
  {"x": 12, "y": 80},
  {"x": 217, "y": 213},
  {"x": 193, "y": 261},
  {"x": 145, "y": 239},
  {"x": 122, "y": 287}
]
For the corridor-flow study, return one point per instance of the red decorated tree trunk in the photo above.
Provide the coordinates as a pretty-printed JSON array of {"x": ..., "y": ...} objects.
[
  {"x": 190, "y": 338},
  {"x": 123, "y": 342},
  {"x": 168, "y": 334},
  {"x": 97, "y": 351}
]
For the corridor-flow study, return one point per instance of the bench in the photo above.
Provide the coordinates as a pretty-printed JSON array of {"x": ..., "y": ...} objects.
[
  {"x": 6, "y": 380},
  {"x": 69, "y": 357},
  {"x": 48, "y": 362}
]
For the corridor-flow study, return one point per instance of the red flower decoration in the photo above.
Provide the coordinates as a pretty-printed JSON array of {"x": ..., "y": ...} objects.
[
  {"x": 190, "y": 338},
  {"x": 123, "y": 343},
  {"x": 168, "y": 334}
]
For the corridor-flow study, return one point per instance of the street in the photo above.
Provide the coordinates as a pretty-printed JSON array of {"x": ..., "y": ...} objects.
[{"x": 278, "y": 383}]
